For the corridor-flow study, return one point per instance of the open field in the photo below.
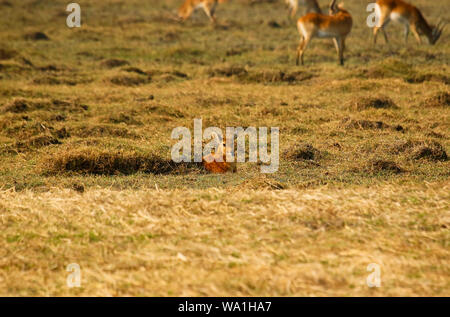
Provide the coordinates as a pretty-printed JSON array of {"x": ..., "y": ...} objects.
[{"x": 86, "y": 116}]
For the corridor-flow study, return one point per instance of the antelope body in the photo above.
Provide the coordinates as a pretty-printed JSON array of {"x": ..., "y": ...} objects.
[
  {"x": 311, "y": 6},
  {"x": 337, "y": 26},
  {"x": 408, "y": 15},
  {"x": 209, "y": 6}
]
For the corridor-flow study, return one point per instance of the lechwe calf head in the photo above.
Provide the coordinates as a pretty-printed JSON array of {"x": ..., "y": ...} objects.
[
  {"x": 337, "y": 26},
  {"x": 408, "y": 15}
]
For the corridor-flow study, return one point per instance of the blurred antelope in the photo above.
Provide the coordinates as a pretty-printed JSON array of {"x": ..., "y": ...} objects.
[
  {"x": 409, "y": 16},
  {"x": 337, "y": 26},
  {"x": 209, "y": 6},
  {"x": 217, "y": 162},
  {"x": 311, "y": 6}
]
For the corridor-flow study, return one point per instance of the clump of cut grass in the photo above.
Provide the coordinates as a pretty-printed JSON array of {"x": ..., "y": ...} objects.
[
  {"x": 420, "y": 78},
  {"x": 31, "y": 143},
  {"x": 277, "y": 76},
  {"x": 391, "y": 68},
  {"x": 441, "y": 99},
  {"x": 263, "y": 182},
  {"x": 227, "y": 71},
  {"x": 122, "y": 80},
  {"x": 377, "y": 166},
  {"x": 166, "y": 111},
  {"x": 52, "y": 80},
  {"x": 102, "y": 130},
  {"x": 430, "y": 150},
  {"x": 301, "y": 152},
  {"x": 7, "y": 53},
  {"x": 17, "y": 106},
  {"x": 349, "y": 123},
  {"x": 112, "y": 63},
  {"x": 122, "y": 117},
  {"x": 243, "y": 74},
  {"x": 91, "y": 160},
  {"x": 24, "y": 105},
  {"x": 36, "y": 36},
  {"x": 381, "y": 102}
]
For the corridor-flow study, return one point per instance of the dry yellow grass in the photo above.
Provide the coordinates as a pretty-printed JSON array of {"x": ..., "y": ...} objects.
[{"x": 227, "y": 243}]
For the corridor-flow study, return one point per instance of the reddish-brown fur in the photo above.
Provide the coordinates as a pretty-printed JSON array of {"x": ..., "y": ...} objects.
[
  {"x": 410, "y": 16},
  {"x": 210, "y": 164},
  {"x": 311, "y": 6},
  {"x": 209, "y": 6},
  {"x": 337, "y": 26}
]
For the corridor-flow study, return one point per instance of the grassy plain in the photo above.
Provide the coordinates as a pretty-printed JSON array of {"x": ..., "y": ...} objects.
[{"x": 85, "y": 173}]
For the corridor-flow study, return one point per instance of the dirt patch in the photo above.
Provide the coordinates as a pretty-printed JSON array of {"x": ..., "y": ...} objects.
[
  {"x": 380, "y": 166},
  {"x": 129, "y": 81},
  {"x": 430, "y": 150},
  {"x": 90, "y": 160},
  {"x": 112, "y": 63},
  {"x": 36, "y": 36},
  {"x": 302, "y": 152},
  {"x": 380, "y": 102},
  {"x": 442, "y": 99}
]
